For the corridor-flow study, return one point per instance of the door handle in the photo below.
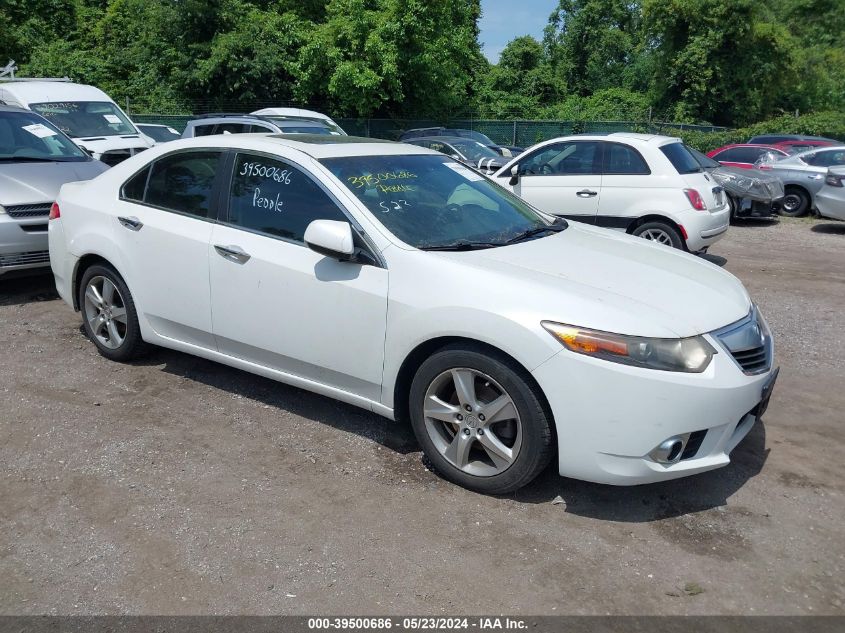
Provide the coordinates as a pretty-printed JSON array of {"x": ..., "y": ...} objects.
[
  {"x": 586, "y": 193},
  {"x": 232, "y": 253},
  {"x": 132, "y": 223}
]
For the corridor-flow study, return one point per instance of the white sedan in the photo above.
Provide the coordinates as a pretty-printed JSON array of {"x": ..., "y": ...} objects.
[{"x": 393, "y": 278}]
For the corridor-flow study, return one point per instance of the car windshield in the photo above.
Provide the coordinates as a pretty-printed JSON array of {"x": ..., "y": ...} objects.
[
  {"x": 161, "y": 134},
  {"x": 80, "y": 119},
  {"x": 431, "y": 201},
  {"x": 305, "y": 129},
  {"x": 28, "y": 137},
  {"x": 680, "y": 157},
  {"x": 476, "y": 136},
  {"x": 473, "y": 150},
  {"x": 703, "y": 160},
  {"x": 320, "y": 126}
]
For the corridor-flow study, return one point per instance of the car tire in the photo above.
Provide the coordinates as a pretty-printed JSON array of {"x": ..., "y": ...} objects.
[
  {"x": 660, "y": 232},
  {"x": 480, "y": 419},
  {"x": 796, "y": 202},
  {"x": 109, "y": 316}
]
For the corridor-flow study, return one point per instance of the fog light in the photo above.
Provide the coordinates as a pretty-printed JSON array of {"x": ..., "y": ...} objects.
[{"x": 669, "y": 451}]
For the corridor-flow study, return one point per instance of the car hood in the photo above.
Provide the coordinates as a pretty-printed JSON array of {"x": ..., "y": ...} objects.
[
  {"x": 610, "y": 281},
  {"x": 98, "y": 145},
  {"x": 32, "y": 183}
]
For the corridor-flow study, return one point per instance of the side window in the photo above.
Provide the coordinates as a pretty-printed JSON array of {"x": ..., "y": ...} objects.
[
  {"x": 826, "y": 159},
  {"x": 183, "y": 182},
  {"x": 563, "y": 159},
  {"x": 203, "y": 130},
  {"x": 270, "y": 196},
  {"x": 623, "y": 159},
  {"x": 134, "y": 188},
  {"x": 231, "y": 128},
  {"x": 741, "y": 154},
  {"x": 261, "y": 129}
]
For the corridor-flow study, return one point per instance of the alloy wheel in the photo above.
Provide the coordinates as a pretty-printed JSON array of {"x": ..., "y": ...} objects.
[
  {"x": 105, "y": 312},
  {"x": 472, "y": 421},
  {"x": 791, "y": 202},
  {"x": 657, "y": 235}
]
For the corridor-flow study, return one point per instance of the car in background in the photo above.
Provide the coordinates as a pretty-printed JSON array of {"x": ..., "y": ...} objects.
[
  {"x": 84, "y": 113},
  {"x": 507, "y": 151},
  {"x": 830, "y": 200},
  {"x": 744, "y": 155},
  {"x": 752, "y": 193},
  {"x": 796, "y": 147},
  {"x": 282, "y": 114},
  {"x": 221, "y": 123},
  {"x": 774, "y": 139},
  {"x": 467, "y": 151},
  {"x": 802, "y": 175},
  {"x": 36, "y": 159},
  {"x": 645, "y": 185},
  {"x": 158, "y": 133},
  {"x": 398, "y": 280}
]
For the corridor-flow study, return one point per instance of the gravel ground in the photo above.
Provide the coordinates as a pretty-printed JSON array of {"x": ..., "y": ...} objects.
[{"x": 178, "y": 486}]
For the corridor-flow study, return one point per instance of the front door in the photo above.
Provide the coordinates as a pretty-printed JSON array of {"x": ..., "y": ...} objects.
[
  {"x": 563, "y": 179},
  {"x": 277, "y": 303}
]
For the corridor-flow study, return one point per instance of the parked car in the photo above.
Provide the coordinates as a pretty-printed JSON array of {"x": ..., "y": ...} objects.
[
  {"x": 752, "y": 193},
  {"x": 35, "y": 160},
  {"x": 85, "y": 113},
  {"x": 645, "y": 185},
  {"x": 465, "y": 150},
  {"x": 210, "y": 124},
  {"x": 491, "y": 333},
  {"x": 772, "y": 139},
  {"x": 830, "y": 200},
  {"x": 158, "y": 133},
  {"x": 802, "y": 176},
  {"x": 424, "y": 132},
  {"x": 284, "y": 114},
  {"x": 743, "y": 155},
  {"x": 796, "y": 147}
]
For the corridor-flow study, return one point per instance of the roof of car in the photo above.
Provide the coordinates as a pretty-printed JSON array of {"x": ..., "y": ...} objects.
[
  {"x": 315, "y": 145},
  {"x": 52, "y": 91},
  {"x": 293, "y": 113}
]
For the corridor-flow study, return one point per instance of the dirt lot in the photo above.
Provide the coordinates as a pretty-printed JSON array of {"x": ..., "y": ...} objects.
[{"x": 176, "y": 485}]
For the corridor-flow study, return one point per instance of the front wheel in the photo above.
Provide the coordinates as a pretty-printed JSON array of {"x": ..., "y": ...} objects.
[
  {"x": 108, "y": 314},
  {"x": 659, "y": 232},
  {"x": 480, "y": 420}
]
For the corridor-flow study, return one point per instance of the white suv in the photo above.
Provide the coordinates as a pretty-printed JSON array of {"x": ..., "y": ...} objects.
[{"x": 646, "y": 185}]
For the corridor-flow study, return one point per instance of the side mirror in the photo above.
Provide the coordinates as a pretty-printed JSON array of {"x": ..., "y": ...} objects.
[
  {"x": 455, "y": 156},
  {"x": 514, "y": 176},
  {"x": 331, "y": 238}
]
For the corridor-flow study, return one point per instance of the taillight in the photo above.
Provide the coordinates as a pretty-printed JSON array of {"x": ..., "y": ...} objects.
[
  {"x": 695, "y": 200},
  {"x": 834, "y": 181},
  {"x": 55, "y": 212}
]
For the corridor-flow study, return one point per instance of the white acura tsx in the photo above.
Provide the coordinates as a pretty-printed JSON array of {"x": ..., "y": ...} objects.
[{"x": 393, "y": 278}]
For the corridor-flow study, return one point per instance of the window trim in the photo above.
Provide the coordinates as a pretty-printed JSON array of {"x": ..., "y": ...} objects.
[
  {"x": 225, "y": 200},
  {"x": 213, "y": 211},
  {"x": 605, "y": 155}
]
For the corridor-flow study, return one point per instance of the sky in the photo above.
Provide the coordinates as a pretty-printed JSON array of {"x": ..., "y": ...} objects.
[{"x": 503, "y": 20}]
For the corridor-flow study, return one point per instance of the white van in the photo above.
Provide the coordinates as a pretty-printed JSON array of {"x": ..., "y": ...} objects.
[{"x": 85, "y": 113}]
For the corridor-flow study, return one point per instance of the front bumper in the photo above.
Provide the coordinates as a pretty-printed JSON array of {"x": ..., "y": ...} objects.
[
  {"x": 23, "y": 243},
  {"x": 610, "y": 417},
  {"x": 831, "y": 204}
]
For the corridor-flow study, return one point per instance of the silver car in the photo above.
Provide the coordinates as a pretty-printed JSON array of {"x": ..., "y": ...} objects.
[
  {"x": 830, "y": 200},
  {"x": 36, "y": 159},
  {"x": 803, "y": 175}
]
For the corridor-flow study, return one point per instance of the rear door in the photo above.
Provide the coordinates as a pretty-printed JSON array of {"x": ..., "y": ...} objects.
[{"x": 562, "y": 178}]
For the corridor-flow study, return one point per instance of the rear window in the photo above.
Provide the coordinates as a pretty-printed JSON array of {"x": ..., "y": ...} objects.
[{"x": 681, "y": 159}]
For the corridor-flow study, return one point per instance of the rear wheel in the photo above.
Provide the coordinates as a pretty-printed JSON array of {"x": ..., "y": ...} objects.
[
  {"x": 480, "y": 421},
  {"x": 659, "y": 232},
  {"x": 795, "y": 203},
  {"x": 108, "y": 314}
]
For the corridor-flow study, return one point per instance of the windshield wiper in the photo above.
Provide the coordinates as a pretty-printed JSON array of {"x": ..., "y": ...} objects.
[
  {"x": 463, "y": 245},
  {"x": 557, "y": 227},
  {"x": 37, "y": 159}
]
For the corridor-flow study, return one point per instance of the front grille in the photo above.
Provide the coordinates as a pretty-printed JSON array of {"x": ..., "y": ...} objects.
[
  {"x": 21, "y": 259},
  {"x": 693, "y": 444},
  {"x": 748, "y": 342},
  {"x": 29, "y": 210}
]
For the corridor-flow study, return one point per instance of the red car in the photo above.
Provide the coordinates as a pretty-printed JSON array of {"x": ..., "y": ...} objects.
[{"x": 744, "y": 155}]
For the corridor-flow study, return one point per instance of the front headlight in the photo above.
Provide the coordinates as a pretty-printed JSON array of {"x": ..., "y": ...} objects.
[{"x": 690, "y": 355}]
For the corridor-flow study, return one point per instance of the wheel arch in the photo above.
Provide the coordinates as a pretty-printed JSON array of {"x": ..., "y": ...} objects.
[
  {"x": 424, "y": 350},
  {"x": 656, "y": 217},
  {"x": 84, "y": 263}
]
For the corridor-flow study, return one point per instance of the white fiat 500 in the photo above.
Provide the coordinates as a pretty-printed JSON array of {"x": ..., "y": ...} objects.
[
  {"x": 645, "y": 185},
  {"x": 393, "y": 278}
]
